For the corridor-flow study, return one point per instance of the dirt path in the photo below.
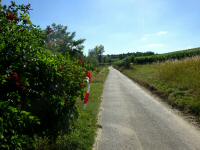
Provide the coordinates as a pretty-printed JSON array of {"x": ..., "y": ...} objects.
[{"x": 132, "y": 119}]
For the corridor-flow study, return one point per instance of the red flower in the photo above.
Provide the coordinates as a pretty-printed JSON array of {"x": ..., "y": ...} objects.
[
  {"x": 89, "y": 75},
  {"x": 11, "y": 16}
]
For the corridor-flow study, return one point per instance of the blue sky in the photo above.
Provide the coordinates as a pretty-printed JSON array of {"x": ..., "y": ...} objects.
[{"x": 124, "y": 25}]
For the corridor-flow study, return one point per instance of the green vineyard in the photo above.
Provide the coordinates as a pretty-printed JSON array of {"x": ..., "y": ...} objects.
[
  {"x": 155, "y": 58},
  {"x": 168, "y": 56}
]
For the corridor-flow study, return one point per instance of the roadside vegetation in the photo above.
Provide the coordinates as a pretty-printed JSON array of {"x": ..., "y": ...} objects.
[
  {"x": 84, "y": 133},
  {"x": 177, "y": 81},
  {"x": 42, "y": 73}
]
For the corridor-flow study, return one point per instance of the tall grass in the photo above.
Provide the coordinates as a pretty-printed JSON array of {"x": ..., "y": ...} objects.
[{"x": 183, "y": 74}]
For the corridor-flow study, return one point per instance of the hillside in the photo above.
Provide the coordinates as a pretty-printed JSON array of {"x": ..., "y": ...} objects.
[{"x": 146, "y": 59}]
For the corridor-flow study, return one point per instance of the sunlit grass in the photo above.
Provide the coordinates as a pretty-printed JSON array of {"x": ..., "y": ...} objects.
[
  {"x": 183, "y": 74},
  {"x": 178, "y": 82}
]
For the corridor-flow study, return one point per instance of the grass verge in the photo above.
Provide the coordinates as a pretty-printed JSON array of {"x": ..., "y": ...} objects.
[
  {"x": 177, "y": 82},
  {"x": 83, "y": 135}
]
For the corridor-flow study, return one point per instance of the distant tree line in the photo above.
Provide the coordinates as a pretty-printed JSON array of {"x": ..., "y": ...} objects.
[
  {"x": 116, "y": 57},
  {"x": 146, "y": 59}
]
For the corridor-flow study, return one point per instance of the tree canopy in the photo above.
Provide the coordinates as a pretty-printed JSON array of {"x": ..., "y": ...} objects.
[{"x": 60, "y": 40}]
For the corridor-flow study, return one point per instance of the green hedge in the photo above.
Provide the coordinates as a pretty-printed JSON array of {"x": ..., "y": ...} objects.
[{"x": 38, "y": 89}]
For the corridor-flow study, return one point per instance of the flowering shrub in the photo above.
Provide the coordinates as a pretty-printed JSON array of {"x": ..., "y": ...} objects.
[{"x": 38, "y": 89}]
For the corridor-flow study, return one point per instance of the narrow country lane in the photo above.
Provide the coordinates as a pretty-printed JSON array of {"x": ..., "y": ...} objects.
[{"x": 132, "y": 119}]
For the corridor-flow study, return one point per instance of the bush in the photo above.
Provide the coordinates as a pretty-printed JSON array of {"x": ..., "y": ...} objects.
[{"x": 38, "y": 89}]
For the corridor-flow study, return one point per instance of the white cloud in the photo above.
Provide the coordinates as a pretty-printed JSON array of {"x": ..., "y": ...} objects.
[{"x": 152, "y": 35}]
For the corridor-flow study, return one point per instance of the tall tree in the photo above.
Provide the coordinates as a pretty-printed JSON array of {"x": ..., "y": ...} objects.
[
  {"x": 99, "y": 51},
  {"x": 92, "y": 57},
  {"x": 58, "y": 39},
  {"x": 95, "y": 55}
]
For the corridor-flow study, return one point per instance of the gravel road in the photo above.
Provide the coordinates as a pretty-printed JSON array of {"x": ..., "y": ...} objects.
[{"x": 132, "y": 119}]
